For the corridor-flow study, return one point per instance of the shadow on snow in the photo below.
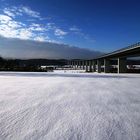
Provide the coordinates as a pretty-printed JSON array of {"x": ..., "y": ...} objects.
[{"x": 72, "y": 75}]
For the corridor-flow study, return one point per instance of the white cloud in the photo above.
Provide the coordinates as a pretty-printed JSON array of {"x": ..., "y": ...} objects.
[
  {"x": 79, "y": 32},
  {"x": 37, "y": 27},
  {"x": 20, "y": 11},
  {"x": 14, "y": 24},
  {"x": 15, "y": 10},
  {"x": 7, "y": 31},
  {"x": 75, "y": 29},
  {"x": 8, "y": 12},
  {"x": 8, "y": 26},
  {"x": 41, "y": 38},
  {"x": 60, "y": 33},
  {"x": 51, "y": 26},
  {"x": 11, "y": 28},
  {"x": 25, "y": 34},
  {"x": 29, "y": 12},
  {"x": 4, "y": 19}
]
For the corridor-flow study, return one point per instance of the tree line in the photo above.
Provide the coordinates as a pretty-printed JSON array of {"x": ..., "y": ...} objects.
[{"x": 30, "y": 65}]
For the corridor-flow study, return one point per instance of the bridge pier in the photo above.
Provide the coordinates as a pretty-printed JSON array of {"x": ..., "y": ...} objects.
[
  {"x": 71, "y": 64},
  {"x": 81, "y": 64},
  {"x": 106, "y": 65},
  {"x": 90, "y": 66},
  {"x": 122, "y": 65},
  {"x": 93, "y": 66},
  {"x": 78, "y": 64},
  {"x": 99, "y": 66},
  {"x": 88, "y": 62},
  {"x": 75, "y": 65},
  {"x": 86, "y": 65},
  {"x": 68, "y": 62}
]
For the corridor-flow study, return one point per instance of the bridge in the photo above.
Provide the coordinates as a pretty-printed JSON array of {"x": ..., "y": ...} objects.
[{"x": 107, "y": 62}]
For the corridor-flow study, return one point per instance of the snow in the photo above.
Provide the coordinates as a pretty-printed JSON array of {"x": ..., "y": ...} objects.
[{"x": 69, "y": 106}]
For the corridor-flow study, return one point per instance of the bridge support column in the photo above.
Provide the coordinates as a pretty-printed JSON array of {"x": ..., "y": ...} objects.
[
  {"x": 77, "y": 65},
  {"x": 122, "y": 65},
  {"x": 73, "y": 64},
  {"x": 80, "y": 64},
  {"x": 86, "y": 65},
  {"x": 93, "y": 65},
  {"x": 68, "y": 62},
  {"x": 83, "y": 64},
  {"x": 90, "y": 66},
  {"x": 99, "y": 66},
  {"x": 106, "y": 65}
]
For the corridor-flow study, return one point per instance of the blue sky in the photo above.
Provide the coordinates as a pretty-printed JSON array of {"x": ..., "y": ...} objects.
[{"x": 101, "y": 25}]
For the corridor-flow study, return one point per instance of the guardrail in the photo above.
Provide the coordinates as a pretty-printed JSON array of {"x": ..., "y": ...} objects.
[{"x": 121, "y": 50}]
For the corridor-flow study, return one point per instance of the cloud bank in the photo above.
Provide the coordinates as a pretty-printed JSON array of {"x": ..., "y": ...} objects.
[
  {"x": 25, "y": 23},
  {"x": 26, "y": 49}
]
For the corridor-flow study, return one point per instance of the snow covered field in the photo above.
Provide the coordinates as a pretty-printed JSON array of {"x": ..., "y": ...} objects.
[{"x": 69, "y": 106}]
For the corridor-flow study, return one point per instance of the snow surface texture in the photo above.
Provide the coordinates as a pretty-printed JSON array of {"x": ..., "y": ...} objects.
[{"x": 69, "y": 106}]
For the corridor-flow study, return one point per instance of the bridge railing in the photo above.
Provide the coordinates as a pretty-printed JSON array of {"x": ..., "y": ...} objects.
[
  {"x": 129, "y": 47},
  {"x": 123, "y": 49}
]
